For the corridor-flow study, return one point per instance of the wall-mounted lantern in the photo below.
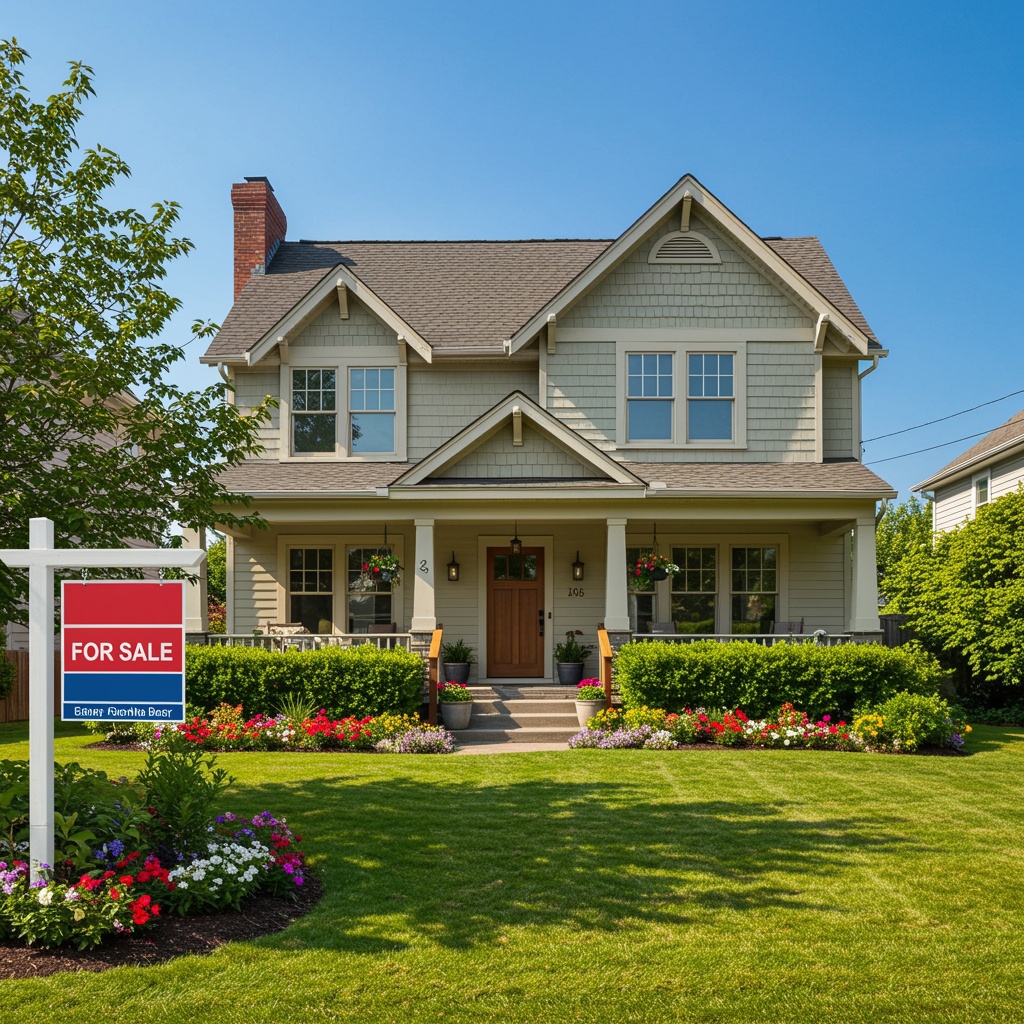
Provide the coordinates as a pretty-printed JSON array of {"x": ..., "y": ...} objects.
[
  {"x": 577, "y": 569},
  {"x": 453, "y": 570}
]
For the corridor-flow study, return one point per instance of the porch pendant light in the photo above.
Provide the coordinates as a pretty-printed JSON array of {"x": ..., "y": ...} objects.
[
  {"x": 453, "y": 570},
  {"x": 577, "y": 569},
  {"x": 515, "y": 545}
]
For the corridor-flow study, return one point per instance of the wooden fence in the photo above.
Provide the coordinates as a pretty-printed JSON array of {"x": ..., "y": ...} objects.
[
  {"x": 894, "y": 630},
  {"x": 14, "y": 707}
]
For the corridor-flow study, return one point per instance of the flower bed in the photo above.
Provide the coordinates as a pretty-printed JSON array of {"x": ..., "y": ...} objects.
[
  {"x": 130, "y": 853},
  {"x": 901, "y": 725},
  {"x": 227, "y": 728}
]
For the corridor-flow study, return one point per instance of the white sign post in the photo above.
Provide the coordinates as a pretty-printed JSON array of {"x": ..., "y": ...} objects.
[{"x": 41, "y": 559}]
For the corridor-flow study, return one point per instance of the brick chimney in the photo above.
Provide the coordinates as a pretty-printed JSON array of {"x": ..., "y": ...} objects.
[{"x": 260, "y": 226}]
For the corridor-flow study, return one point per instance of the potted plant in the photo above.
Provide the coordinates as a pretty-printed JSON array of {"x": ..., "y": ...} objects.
[
  {"x": 589, "y": 700},
  {"x": 650, "y": 568},
  {"x": 456, "y": 702},
  {"x": 569, "y": 657},
  {"x": 457, "y": 658}
]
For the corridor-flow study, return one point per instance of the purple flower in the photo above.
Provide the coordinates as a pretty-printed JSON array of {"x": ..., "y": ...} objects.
[{"x": 116, "y": 848}]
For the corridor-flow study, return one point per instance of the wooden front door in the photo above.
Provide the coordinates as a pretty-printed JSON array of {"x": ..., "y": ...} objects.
[{"x": 515, "y": 613}]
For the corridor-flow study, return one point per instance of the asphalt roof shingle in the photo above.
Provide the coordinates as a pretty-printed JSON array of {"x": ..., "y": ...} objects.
[
  {"x": 748, "y": 478},
  {"x": 460, "y": 294},
  {"x": 1012, "y": 430}
]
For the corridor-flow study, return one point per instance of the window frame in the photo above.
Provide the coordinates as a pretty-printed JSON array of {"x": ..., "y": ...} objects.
[
  {"x": 985, "y": 476},
  {"x": 680, "y": 352},
  {"x": 371, "y": 357},
  {"x": 341, "y": 544}
]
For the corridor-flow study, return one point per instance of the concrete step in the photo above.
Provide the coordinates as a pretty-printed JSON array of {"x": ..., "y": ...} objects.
[
  {"x": 475, "y": 735},
  {"x": 555, "y": 721},
  {"x": 523, "y": 707}
]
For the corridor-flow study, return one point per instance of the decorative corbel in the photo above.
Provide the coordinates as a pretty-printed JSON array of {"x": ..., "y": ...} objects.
[
  {"x": 282, "y": 349},
  {"x": 517, "y": 427},
  {"x": 342, "y": 299},
  {"x": 684, "y": 213},
  {"x": 552, "y": 322},
  {"x": 819, "y": 333},
  {"x": 403, "y": 351}
]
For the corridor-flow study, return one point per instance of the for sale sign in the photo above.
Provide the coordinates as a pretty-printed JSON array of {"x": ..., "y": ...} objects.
[{"x": 123, "y": 651}]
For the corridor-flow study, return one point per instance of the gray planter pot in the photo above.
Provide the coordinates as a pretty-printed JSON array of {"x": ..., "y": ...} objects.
[
  {"x": 456, "y": 672},
  {"x": 570, "y": 673},
  {"x": 586, "y": 709},
  {"x": 456, "y": 716}
]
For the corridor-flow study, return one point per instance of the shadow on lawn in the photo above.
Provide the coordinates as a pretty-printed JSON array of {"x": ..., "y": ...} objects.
[{"x": 460, "y": 863}]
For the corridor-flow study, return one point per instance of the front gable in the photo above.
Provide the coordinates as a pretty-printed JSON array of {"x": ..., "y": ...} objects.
[{"x": 517, "y": 442}]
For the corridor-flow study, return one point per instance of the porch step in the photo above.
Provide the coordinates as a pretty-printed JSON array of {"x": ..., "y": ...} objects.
[{"x": 504, "y": 718}]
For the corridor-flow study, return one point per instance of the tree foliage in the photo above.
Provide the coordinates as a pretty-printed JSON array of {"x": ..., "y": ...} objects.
[
  {"x": 92, "y": 435},
  {"x": 217, "y": 571},
  {"x": 965, "y": 599},
  {"x": 903, "y": 530}
]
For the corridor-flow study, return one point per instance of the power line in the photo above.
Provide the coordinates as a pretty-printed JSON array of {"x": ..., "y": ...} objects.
[
  {"x": 945, "y": 444},
  {"x": 941, "y": 419}
]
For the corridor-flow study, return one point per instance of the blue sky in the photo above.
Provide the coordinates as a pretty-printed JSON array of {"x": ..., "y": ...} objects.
[{"x": 890, "y": 130}]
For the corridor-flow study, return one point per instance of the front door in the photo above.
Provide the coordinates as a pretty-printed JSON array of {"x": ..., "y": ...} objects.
[{"x": 515, "y": 613}]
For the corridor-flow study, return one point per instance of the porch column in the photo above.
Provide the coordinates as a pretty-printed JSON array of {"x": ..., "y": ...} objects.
[
  {"x": 197, "y": 617},
  {"x": 616, "y": 606},
  {"x": 864, "y": 584},
  {"x": 423, "y": 615}
]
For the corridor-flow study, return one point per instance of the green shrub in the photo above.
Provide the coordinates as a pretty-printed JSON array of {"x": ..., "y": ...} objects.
[
  {"x": 823, "y": 680},
  {"x": 907, "y": 721},
  {"x": 360, "y": 680},
  {"x": 6, "y": 669}
]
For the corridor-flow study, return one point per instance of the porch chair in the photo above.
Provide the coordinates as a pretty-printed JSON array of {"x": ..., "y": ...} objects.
[
  {"x": 795, "y": 626},
  {"x": 662, "y": 628}
]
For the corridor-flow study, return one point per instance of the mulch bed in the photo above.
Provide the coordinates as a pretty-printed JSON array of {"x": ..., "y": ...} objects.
[{"x": 173, "y": 936}]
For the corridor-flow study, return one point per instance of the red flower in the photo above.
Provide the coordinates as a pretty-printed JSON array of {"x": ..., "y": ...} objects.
[
  {"x": 126, "y": 880},
  {"x": 114, "y": 894}
]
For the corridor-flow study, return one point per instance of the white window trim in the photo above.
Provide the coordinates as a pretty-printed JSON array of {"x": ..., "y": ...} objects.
[
  {"x": 312, "y": 359},
  {"x": 985, "y": 475},
  {"x": 724, "y": 543},
  {"x": 340, "y": 546},
  {"x": 679, "y": 351}
]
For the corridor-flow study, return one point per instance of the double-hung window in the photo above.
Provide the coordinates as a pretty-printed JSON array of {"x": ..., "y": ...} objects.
[
  {"x": 755, "y": 588},
  {"x": 371, "y": 402},
  {"x": 311, "y": 588},
  {"x": 314, "y": 411},
  {"x": 649, "y": 396},
  {"x": 694, "y": 589},
  {"x": 710, "y": 396}
]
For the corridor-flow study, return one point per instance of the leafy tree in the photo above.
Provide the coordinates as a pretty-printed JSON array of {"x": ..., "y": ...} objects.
[
  {"x": 965, "y": 601},
  {"x": 217, "y": 571},
  {"x": 904, "y": 529},
  {"x": 91, "y": 433}
]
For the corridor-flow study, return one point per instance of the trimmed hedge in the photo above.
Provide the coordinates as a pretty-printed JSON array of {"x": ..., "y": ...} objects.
[
  {"x": 819, "y": 680},
  {"x": 360, "y": 680}
]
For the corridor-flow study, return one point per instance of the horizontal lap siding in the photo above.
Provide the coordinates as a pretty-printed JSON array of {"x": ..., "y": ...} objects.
[
  {"x": 498, "y": 458},
  {"x": 837, "y": 411},
  {"x": 817, "y": 582},
  {"x": 444, "y": 400},
  {"x": 1007, "y": 476},
  {"x": 251, "y": 387},
  {"x": 255, "y": 584},
  {"x": 953, "y": 505}
]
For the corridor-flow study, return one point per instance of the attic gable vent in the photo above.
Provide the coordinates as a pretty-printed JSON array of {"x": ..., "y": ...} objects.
[{"x": 684, "y": 247}]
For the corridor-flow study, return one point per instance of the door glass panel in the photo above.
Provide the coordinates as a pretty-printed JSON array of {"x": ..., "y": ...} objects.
[
  {"x": 529, "y": 567},
  {"x": 501, "y": 567},
  {"x": 515, "y": 567}
]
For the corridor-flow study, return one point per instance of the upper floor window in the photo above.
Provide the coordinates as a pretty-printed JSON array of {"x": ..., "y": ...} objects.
[
  {"x": 314, "y": 410},
  {"x": 371, "y": 402},
  {"x": 649, "y": 396},
  {"x": 709, "y": 396},
  {"x": 982, "y": 485}
]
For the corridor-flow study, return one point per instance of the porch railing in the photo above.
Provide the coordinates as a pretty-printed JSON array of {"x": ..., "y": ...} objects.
[
  {"x": 308, "y": 641},
  {"x": 765, "y": 639},
  {"x": 433, "y": 674},
  {"x": 606, "y": 655}
]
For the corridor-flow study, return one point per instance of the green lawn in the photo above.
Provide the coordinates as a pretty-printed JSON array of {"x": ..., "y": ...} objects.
[{"x": 593, "y": 886}]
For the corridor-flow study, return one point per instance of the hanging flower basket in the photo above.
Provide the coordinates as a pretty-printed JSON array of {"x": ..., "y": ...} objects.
[
  {"x": 380, "y": 569},
  {"x": 650, "y": 568}
]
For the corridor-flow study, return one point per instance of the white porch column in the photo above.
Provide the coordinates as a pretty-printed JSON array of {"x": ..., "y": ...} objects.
[
  {"x": 864, "y": 584},
  {"x": 423, "y": 614},
  {"x": 616, "y": 606},
  {"x": 197, "y": 611}
]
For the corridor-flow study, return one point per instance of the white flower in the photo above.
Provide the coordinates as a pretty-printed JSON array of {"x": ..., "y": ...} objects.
[
  {"x": 183, "y": 885},
  {"x": 45, "y": 896},
  {"x": 786, "y": 742}
]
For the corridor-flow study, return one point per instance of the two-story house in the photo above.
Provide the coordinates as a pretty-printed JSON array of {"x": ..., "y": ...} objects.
[
  {"x": 986, "y": 471},
  {"x": 687, "y": 385}
]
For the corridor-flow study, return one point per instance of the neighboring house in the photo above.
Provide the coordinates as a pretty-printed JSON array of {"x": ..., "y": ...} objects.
[
  {"x": 688, "y": 382},
  {"x": 986, "y": 471}
]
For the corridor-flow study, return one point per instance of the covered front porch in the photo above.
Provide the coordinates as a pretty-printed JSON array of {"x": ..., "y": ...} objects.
[{"x": 742, "y": 567}]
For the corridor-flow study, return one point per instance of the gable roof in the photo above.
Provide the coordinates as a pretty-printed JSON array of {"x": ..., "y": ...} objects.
[
  {"x": 469, "y": 297},
  {"x": 483, "y": 427},
  {"x": 1001, "y": 441}
]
